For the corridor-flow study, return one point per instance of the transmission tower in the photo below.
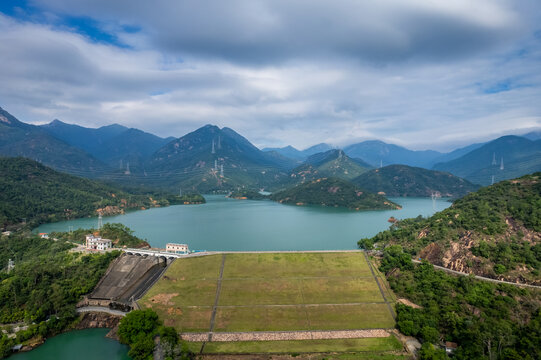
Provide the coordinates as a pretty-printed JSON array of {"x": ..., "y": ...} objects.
[
  {"x": 215, "y": 165},
  {"x": 180, "y": 192},
  {"x": 100, "y": 222},
  {"x": 219, "y": 143},
  {"x": 127, "y": 172},
  {"x": 120, "y": 164},
  {"x": 213, "y": 151},
  {"x": 494, "y": 159},
  {"x": 434, "y": 197},
  {"x": 501, "y": 164},
  {"x": 380, "y": 163},
  {"x": 492, "y": 180},
  {"x": 11, "y": 265},
  {"x": 222, "y": 170}
]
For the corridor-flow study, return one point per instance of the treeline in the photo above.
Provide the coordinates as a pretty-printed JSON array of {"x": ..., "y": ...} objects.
[
  {"x": 138, "y": 330},
  {"x": 120, "y": 234},
  {"x": 493, "y": 219},
  {"x": 38, "y": 194},
  {"x": 44, "y": 285},
  {"x": 486, "y": 320},
  {"x": 333, "y": 192}
]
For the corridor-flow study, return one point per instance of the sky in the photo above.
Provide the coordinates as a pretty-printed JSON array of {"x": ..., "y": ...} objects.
[{"x": 424, "y": 74}]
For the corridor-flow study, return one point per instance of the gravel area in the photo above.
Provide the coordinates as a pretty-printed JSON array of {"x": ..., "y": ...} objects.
[{"x": 286, "y": 335}]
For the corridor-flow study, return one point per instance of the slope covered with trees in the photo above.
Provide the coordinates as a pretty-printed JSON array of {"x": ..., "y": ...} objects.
[
  {"x": 333, "y": 192},
  {"x": 494, "y": 232},
  {"x": 31, "y": 191},
  {"x": 486, "y": 320},
  {"x": 403, "y": 180},
  {"x": 44, "y": 285}
]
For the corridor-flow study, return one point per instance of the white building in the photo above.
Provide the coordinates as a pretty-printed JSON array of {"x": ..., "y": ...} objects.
[
  {"x": 97, "y": 243},
  {"x": 177, "y": 248}
]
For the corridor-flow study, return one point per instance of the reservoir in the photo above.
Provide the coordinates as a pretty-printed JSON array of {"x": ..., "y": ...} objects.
[
  {"x": 89, "y": 344},
  {"x": 224, "y": 224}
]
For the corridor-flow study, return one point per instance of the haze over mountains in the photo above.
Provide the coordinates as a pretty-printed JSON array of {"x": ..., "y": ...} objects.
[{"x": 211, "y": 158}]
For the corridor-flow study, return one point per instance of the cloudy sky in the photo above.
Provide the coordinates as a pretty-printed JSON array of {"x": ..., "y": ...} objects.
[{"x": 419, "y": 73}]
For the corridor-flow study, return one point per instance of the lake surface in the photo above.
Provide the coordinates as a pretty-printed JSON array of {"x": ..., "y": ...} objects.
[
  {"x": 224, "y": 224},
  {"x": 89, "y": 344}
]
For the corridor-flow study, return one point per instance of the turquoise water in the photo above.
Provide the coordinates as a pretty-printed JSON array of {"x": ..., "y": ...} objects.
[
  {"x": 246, "y": 225},
  {"x": 90, "y": 344}
]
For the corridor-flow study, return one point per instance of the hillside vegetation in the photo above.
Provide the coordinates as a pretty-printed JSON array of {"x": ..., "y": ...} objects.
[
  {"x": 31, "y": 191},
  {"x": 45, "y": 284},
  {"x": 402, "y": 180},
  {"x": 333, "y": 192},
  {"x": 486, "y": 320},
  {"x": 494, "y": 232}
]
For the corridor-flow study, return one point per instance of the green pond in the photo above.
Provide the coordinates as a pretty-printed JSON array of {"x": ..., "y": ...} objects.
[
  {"x": 90, "y": 344},
  {"x": 224, "y": 224}
]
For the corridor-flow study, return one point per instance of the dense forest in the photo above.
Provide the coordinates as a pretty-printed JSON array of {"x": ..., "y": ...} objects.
[
  {"x": 121, "y": 235},
  {"x": 36, "y": 194},
  {"x": 44, "y": 285},
  {"x": 333, "y": 192},
  {"x": 486, "y": 320},
  {"x": 493, "y": 232},
  {"x": 402, "y": 180}
]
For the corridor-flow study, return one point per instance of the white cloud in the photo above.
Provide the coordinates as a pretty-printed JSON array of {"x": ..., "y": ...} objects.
[{"x": 415, "y": 73}]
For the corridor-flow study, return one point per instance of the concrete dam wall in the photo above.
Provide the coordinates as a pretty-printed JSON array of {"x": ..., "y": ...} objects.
[{"x": 128, "y": 277}]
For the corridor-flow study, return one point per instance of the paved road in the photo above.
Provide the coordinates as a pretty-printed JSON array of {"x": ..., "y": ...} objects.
[
  {"x": 101, "y": 309},
  {"x": 480, "y": 277}
]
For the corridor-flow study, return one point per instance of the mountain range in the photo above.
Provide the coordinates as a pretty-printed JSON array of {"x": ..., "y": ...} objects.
[{"x": 214, "y": 159}]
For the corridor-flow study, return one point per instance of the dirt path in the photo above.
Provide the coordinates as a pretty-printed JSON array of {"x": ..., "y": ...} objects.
[
  {"x": 480, "y": 277},
  {"x": 287, "y": 335}
]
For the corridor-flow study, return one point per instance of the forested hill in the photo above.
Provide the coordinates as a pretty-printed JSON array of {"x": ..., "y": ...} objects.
[
  {"x": 31, "y": 191},
  {"x": 494, "y": 232},
  {"x": 333, "y": 192},
  {"x": 403, "y": 180}
]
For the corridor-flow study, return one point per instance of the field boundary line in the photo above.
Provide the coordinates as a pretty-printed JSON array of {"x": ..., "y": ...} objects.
[{"x": 379, "y": 286}]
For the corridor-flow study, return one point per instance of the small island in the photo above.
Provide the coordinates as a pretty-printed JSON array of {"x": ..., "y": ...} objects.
[{"x": 333, "y": 192}]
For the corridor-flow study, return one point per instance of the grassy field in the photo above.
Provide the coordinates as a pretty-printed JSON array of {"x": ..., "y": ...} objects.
[{"x": 274, "y": 292}]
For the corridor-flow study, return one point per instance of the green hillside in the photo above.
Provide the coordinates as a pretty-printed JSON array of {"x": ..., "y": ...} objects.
[
  {"x": 494, "y": 232},
  {"x": 332, "y": 163},
  {"x": 402, "y": 180},
  {"x": 333, "y": 192},
  {"x": 31, "y": 191}
]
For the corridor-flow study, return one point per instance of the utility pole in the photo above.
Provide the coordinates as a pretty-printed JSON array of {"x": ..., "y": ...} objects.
[
  {"x": 100, "y": 222},
  {"x": 11, "y": 265}
]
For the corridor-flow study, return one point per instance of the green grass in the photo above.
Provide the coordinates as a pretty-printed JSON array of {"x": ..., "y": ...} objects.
[
  {"x": 270, "y": 292},
  {"x": 350, "y": 290},
  {"x": 261, "y": 318},
  {"x": 337, "y": 317},
  {"x": 280, "y": 265},
  {"x": 304, "y": 346},
  {"x": 260, "y": 292}
]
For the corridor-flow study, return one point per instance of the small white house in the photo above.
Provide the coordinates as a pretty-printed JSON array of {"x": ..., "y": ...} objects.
[
  {"x": 177, "y": 248},
  {"x": 97, "y": 243}
]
